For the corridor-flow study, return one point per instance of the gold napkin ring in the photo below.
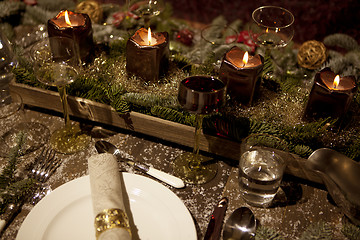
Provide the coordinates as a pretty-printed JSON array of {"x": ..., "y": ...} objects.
[{"x": 111, "y": 218}]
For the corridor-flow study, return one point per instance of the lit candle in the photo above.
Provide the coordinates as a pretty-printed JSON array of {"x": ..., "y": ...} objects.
[
  {"x": 147, "y": 54},
  {"x": 330, "y": 96},
  {"x": 241, "y": 71},
  {"x": 76, "y": 26}
]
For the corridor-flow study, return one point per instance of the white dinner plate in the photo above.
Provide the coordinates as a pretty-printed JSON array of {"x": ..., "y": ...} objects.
[{"x": 67, "y": 212}]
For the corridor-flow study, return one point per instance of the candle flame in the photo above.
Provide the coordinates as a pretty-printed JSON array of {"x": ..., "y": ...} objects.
[
  {"x": 336, "y": 81},
  {"x": 245, "y": 58},
  {"x": 67, "y": 19},
  {"x": 149, "y": 36},
  {"x": 267, "y": 30}
]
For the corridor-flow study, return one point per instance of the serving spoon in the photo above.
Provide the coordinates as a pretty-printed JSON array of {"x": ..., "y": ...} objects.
[
  {"x": 240, "y": 225},
  {"x": 341, "y": 176}
]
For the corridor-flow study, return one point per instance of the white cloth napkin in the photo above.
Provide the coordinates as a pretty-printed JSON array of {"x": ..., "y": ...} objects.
[{"x": 106, "y": 190}]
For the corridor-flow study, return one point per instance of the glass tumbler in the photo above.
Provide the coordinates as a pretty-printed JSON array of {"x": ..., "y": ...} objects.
[{"x": 261, "y": 168}]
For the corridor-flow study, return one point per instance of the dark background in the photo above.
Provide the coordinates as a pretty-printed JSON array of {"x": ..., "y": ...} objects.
[{"x": 314, "y": 19}]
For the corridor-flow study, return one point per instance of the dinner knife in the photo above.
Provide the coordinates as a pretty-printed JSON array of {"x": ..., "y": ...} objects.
[
  {"x": 104, "y": 146},
  {"x": 213, "y": 230}
]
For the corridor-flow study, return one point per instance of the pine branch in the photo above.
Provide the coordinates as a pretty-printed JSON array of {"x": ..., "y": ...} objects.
[
  {"x": 341, "y": 40},
  {"x": 309, "y": 133},
  {"x": 173, "y": 115},
  {"x": 317, "y": 231},
  {"x": 351, "y": 231},
  {"x": 266, "y": 233},
  {"x": 7, "y": 175},
  {"x": 38, "y": 15},
  {"x": 302, "y": 150},
  {"x": 10, "y": 8},
  {"x": 263, "y": 127}
]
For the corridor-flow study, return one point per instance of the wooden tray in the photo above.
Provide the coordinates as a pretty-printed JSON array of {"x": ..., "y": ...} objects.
[{"x": 152, "y": 126}]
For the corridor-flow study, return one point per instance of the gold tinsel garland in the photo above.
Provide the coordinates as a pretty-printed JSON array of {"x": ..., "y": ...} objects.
[{"x": 312, "y": 54}]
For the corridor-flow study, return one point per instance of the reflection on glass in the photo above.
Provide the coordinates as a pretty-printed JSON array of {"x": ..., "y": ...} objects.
[
  {"x": 56, "y": 63},
  {"x": 146, "y": 9},
  {"x": 200, "y": 95},
  {"x": 272, "y": 27}
]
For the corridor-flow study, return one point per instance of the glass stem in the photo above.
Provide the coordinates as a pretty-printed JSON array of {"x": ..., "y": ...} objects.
[
  {"x": 63, "y": 99},
  {"x": 198, "y": 127}
]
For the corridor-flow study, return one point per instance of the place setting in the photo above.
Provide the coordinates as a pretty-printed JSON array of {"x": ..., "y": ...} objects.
[{"x": 163, "y": 120}]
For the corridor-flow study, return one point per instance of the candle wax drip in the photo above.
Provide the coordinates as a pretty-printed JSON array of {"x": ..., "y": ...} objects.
[{"x": 235, "y": 56}]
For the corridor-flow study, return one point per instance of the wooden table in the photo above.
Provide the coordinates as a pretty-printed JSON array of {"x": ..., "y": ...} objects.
[{"x": 310, "y": 204}]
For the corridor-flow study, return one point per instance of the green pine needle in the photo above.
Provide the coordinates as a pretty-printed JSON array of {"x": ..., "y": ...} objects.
[
  {"x": 266, "y": 233},
  {"x": 7, "y": 174},
  {"x": 351, "y": 231},
  {"x": 317, "y": 231},
  {"x": 173, "y": 115},
  {"x": 341, "y": 40}
]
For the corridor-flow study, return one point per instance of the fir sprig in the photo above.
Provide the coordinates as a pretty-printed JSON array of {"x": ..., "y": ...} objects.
[
  {"x": 266, "y": 233},
  {"x": 341, "y": 40},
  {"x": 173, "y": 115},
  {"x": 7, "y": 175},
  {"x": 351, "y": 231},
  {"x": 11, "y": 190},
  {"x": 317, "y": 231}
]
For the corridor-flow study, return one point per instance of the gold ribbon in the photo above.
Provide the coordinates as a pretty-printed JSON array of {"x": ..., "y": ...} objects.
[{"x": 111, "y": 218}]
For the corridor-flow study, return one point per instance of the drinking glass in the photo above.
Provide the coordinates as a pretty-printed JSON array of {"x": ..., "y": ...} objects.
[
  {"x": 56, "y": 63},
  {"x": 219, "y": 38},
  {"x": 199, "y": 95},
  {"x": 272, "y": 27},
  {"x": 261, "y": 168},
  {"x": 8, "y": 105},
  {"x": 146, "y": 9}
]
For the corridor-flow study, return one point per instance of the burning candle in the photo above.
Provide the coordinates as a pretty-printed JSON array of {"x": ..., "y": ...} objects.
[
  {"x": 241, "y": 72},
  {"x": 330, "y": 96},
  {"x": 76, "y": 26},
  {"x": 147, "y": 54}
]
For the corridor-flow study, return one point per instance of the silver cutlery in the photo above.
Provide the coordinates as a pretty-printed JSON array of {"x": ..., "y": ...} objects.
[
  {"x": 104, "y": 146},
  {"x": 341, "y": 176},
  {"x": 213, "y": 230},
  {"x": 40, "y": 170},
  {"x": 240, "y": 225}
]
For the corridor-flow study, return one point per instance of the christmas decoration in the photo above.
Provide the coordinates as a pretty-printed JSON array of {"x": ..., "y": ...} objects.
[
  {"x": 243, "y": 37},
  {"x": 185, "y": 36},
  {"x": 312, "y": 54},
  {"x": 317, "y": 231},
  {"x": 13, "y": 190},
  {"x": 91, "y": 8}
]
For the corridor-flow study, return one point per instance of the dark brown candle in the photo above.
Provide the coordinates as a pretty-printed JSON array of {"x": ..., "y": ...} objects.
[
  {"x": 147, "y": 54},
  {"x": 76, "y": 26},
  {"x": 241, "y": 75},
  {"x": 330, "y": 96}
]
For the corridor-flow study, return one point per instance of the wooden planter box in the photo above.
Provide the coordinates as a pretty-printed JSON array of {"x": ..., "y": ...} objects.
[{"x": 141, "y": 123}]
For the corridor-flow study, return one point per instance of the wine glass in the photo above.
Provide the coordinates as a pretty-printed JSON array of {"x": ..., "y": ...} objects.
[
  {"x": 218, "y": 39},
  {"x": 199, "y": 95},
  {"x": 146, "y": 9},
  {"x": 271, "y": 27},
  {"x": 56, "y": 64},
  {"x": 8, "y": 104}
]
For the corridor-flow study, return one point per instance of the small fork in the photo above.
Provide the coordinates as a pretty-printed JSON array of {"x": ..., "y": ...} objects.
[
  {"x": 44, "y": 166},
  {"x": 40, "y": 170}
]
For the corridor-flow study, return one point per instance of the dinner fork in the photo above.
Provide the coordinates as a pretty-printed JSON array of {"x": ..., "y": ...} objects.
[
  {"x": 44, "y": 166},
  {"x": 40, "y": 170}
]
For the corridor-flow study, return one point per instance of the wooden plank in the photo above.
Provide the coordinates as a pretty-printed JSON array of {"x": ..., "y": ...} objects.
[{"x": 145, "y": 124}]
